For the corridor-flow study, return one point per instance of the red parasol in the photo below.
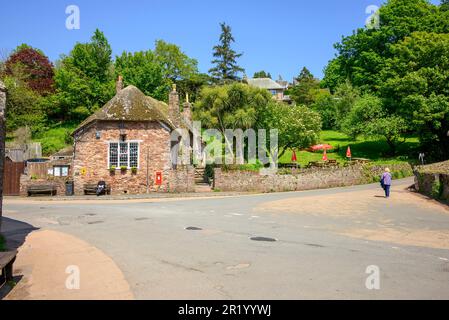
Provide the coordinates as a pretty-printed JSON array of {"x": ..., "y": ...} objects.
[
  {"x": 294, "y": 159},
  {"x": 325, "y": 155},
  {"x": 321, "y": 147},
  {"x": 348, "y": 153}
]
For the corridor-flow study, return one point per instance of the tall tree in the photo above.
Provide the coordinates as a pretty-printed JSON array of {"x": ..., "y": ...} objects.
[
  {"x": 143, "y": 71},
  {"x": 175, "y": 64},
  {"x": 306, "y": 88},
  {"x": 361, "y": 56},
  {"x": 226, "y": 68},
  {"x": 33, "y": 67},
  {"x": 177, "y": 67},
  {"x": 416, "y": 87},
  {"x": 84, "y": 79}
]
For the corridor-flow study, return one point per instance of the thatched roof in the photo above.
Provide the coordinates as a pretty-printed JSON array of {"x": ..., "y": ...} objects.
[{"x": 131, "y": 104}]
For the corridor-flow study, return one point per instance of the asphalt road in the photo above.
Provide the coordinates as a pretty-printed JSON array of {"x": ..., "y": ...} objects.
[{"x": 325, "y": 240}]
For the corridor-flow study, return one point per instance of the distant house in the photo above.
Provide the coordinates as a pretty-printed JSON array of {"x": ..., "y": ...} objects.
[
  {"x": 128, "y": 144},
  {"x": 277, "y": 90}
]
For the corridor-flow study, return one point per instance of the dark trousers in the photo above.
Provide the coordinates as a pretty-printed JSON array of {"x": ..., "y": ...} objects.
[{"x": 387, "y": 191}]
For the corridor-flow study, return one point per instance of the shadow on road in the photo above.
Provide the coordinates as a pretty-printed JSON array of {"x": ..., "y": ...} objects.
[{"x": 15, "y": 233}]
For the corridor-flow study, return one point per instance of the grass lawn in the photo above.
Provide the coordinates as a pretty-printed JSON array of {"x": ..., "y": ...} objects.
[
  {"x": 374, "y": 150},
  {"x": 55, "y": 138}
]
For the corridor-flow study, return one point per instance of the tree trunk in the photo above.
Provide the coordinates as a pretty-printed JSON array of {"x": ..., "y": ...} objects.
[
  {"x": 391, "y": 143},
  {"x": 2, "y": 143}
]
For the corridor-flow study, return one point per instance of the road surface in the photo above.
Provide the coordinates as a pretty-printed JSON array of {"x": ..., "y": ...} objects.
[{"x": 315, "y": 245}]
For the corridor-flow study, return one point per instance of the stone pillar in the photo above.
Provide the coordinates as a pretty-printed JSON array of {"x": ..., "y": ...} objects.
[
  {"x": 2, "y": 143},
  {"x": 173, "y": 107},
  {"x": 187, "y": 110}
]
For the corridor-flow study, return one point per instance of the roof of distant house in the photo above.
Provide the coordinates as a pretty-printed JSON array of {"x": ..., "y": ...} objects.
[
  {"x": 131, "y": 104},
  {"x": 264, "y": 83},
  {"x": 65, "y": 152}
]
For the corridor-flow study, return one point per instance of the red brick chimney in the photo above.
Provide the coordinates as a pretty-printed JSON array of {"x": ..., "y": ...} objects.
[
  {"x": 187, "y": 110},
  {"x": 119, "y": 84}
]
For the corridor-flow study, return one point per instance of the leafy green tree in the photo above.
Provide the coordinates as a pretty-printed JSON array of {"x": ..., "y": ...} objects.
[
  {"x": 326, "y": 105},
  {"x": 175, "y": 64},
  {"x": 306, "y": 88},
  {"x": 416, "y": 86},
  {"x": 226, "y": 68},
  {"x": 84, "y": 79},
  {"x": 361, "y": 56},
  {"x": 444, "y": 5},
  {"x": 24, "y": 106},
  {"x": 180, "y": 69},
  {"x": 262, "y": 74},
  {"x": 142, "y": 70},
  {"x": 193, "y": 85},
  {"x": 298, "y": 126},
  {"x": 368, "y": 118}
]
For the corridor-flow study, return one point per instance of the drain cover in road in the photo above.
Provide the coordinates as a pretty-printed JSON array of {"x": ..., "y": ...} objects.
[
  {"x": 193, "y": 228},
  {"x": 95, "y": 222},
  {"x": 263, "y": 239}
]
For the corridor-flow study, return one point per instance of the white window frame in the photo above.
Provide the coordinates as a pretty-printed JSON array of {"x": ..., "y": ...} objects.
[
  {"x": 59, "y": 170},
  {"x": 118, "y": 153}
]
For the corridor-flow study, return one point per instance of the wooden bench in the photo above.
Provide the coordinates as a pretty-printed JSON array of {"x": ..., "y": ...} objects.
[
  {"x": 332, "y": 163},
  {"x": 42, "y": 189},
  {"x": 91, "y": 188},
  {"x": 6, "y": 261},
  {"x": 289, "y": 165}
]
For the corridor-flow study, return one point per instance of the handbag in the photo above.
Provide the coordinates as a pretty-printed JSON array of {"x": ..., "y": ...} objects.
[{"x": 382, "y": 183}]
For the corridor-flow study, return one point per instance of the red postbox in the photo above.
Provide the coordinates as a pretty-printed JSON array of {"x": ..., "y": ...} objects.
[{"x": 158, "y": 178}]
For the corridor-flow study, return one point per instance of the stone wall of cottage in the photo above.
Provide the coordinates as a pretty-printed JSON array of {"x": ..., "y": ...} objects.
[
  {"x": 90, "y": 163},
  {"x": 305, "y": 179}
]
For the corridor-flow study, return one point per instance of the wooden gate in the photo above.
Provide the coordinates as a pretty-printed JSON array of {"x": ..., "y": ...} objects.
[{"x": 11, "y": 178}]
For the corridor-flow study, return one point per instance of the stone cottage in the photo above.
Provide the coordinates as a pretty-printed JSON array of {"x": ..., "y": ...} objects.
[{"x": 128, "y": 144}]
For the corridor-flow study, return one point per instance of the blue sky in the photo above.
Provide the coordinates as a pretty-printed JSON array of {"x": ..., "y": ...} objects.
[{"x": 277, "y": 36}]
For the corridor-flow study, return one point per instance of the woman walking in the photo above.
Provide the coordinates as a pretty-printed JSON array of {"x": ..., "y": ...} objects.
[{"x": 385, "y": 181}]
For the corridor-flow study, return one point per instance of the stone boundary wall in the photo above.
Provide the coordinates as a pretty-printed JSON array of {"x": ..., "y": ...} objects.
[
  {"x": 26, "y": 181},
  {"x": 433, "y": 180},
  {"x": 305, "y": 179}
]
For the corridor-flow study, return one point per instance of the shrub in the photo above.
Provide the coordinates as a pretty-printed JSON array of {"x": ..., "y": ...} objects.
[
  {"x": 134, "y": 170},
  {"x": 437, "y": 189},
  {"x": 112, "y": 169}
]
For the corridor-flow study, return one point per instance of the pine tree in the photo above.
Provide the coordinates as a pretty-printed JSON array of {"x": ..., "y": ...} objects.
[{"x": 226, "y": 68}]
